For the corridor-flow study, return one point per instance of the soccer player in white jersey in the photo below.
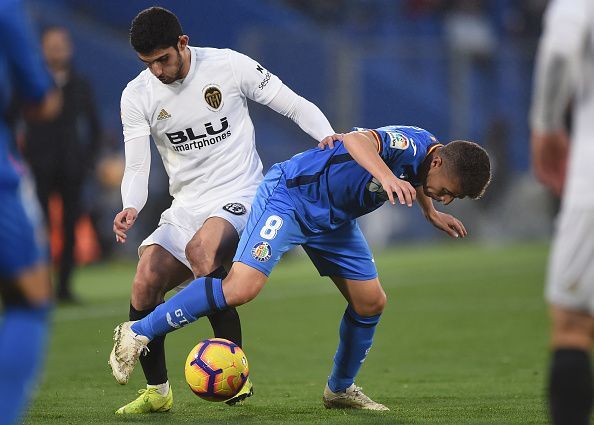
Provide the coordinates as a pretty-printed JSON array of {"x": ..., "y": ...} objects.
[
  {"x": 565, "y": 74},
  {"x": 193, "y": 102}
]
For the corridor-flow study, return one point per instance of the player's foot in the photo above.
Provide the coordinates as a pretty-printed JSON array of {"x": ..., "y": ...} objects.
[
  {"x": 351, "y": 398},
  {"x": 246, "y": 391},
  {"x": 127, "y": 348},
  {"x": 149, "y": 401}
]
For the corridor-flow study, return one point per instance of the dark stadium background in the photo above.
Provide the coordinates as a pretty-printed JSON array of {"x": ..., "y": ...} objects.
[{"x": 461, "y": 69}]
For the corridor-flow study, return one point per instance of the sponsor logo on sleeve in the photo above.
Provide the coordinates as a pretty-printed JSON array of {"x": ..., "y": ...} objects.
[
  {"x": 266, "y": 75},
  {"x": 235, "y": 208},
  {"x": 262, "y": 252},
  {"x": 265, "y": 81},
  {"x": 213, "y": 97},
  {"x": 398, "y": 140}
]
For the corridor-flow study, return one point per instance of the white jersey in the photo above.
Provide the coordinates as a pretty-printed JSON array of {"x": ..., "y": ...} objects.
[
  {"x": 569, "y": 29},
  {"x": 581, "y": 172},
  {"x": 565, "y": 73},
  {"x": 201, "y": 125}
]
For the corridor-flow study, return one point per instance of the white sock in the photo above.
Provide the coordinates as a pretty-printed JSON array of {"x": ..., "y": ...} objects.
[{"x": 162, "y": 389}]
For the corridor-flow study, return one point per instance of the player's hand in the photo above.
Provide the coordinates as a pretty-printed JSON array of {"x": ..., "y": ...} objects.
[
  {"x": 549, "y": 159},
  {"x": 329, "y": 141},
  {"x": 123, "y": 222},
  {"x": 449, "y": 224},
  {"x": 403, "y": 190}
]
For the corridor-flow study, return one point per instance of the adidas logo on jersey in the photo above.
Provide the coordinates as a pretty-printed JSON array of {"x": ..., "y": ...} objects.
[{"x": 163, "y": 115}]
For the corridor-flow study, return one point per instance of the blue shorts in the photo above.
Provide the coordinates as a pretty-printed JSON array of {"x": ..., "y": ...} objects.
[
  {"x": 274, "y": 227},
  {"x": 22, "y": 235}
]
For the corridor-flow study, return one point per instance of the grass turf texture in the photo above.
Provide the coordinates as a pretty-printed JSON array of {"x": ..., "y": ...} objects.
[{"x": 463, "y": 340}]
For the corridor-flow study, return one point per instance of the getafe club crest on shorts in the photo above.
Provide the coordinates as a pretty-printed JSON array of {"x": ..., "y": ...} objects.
[
  {"x": 213, "y": 97},
  {"x": 262, "y": 252}
]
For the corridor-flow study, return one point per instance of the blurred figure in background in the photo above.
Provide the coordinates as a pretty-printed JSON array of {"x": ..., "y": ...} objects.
[
  {"x": 62, "y": 152},
  {"x": 565, "y": 73},
  {"x": 472, "y": 46},
  {"x": 24, "y": 277}
]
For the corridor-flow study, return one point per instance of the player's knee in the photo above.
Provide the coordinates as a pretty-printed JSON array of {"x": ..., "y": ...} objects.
[
  {"x": 238, "y": 290},
  {"x": 373, "y": 306},
  {"x": 202, "y": 267},
  {"x": 382, "y": 302},
  {"x": 201, "y": 262},
  {"x": 12, "y": 295},
  {"x": 377, "y": 307},
  {"x": 572, "y": 339},
  {"x": 31, "y": 288},
  {"x": 147, "y": 290},
  {"x": 241, "y": 295},
  {"x": 572, "y": 331}
]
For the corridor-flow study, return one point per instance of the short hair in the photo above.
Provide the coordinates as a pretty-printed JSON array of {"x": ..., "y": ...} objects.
[
  {"x": 470, "y": 164},
  {"x": 154, "y": 28}
]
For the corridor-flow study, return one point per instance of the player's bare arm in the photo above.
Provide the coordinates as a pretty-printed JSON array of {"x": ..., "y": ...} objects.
[
  {"x": 363, "y": 148},
  {"x": 445, "y": 222},
  {"x": 555, "y": 80},
  {"x": 123, "y": 221},
  {"x": 550, "y": 152},
  {"x": 549, "y": 140}
]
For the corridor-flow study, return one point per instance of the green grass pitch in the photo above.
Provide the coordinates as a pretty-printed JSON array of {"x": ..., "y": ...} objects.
[{"x": 463, "y": 340}]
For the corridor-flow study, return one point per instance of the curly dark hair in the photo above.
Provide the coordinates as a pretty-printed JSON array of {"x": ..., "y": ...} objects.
[
  {"x": 154, "y": 28},
  {"x": 470, "y": 163}
]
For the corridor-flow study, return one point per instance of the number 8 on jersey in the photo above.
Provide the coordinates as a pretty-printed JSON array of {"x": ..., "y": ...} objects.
[{"x": 271, "y": 227}]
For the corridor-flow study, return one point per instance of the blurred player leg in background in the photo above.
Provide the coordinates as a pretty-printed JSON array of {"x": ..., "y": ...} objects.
[
  {"x": 563, "y": 78},
  {"x": 24, "y": 281},
  {"x": 26, "y": 294},
  {"x": 570, "y": 292}
]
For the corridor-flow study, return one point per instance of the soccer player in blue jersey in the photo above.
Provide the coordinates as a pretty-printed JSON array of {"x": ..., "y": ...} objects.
[
  {"x": 313, "y": 200},
  {"x": 24, "y": 276}
]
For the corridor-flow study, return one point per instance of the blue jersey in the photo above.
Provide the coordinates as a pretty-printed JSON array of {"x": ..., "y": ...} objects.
[
  {"x": 329, "y": 188},
  {"x": 21, "y": 71}
]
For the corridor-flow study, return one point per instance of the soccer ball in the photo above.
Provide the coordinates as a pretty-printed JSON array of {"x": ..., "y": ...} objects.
[{"x": 216, "y": 369}]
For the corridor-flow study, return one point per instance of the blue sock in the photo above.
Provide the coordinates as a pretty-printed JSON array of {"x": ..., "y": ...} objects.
[
  {"x": 200, "y": 298},
  {"x": 356, "y": 336},
  {"x": 23, "y": 336}
]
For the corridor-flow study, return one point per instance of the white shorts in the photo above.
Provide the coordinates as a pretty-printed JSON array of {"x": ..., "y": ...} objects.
[
  {"x": 570, "y": 279},
  {"x": 179, "y": 224}
]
